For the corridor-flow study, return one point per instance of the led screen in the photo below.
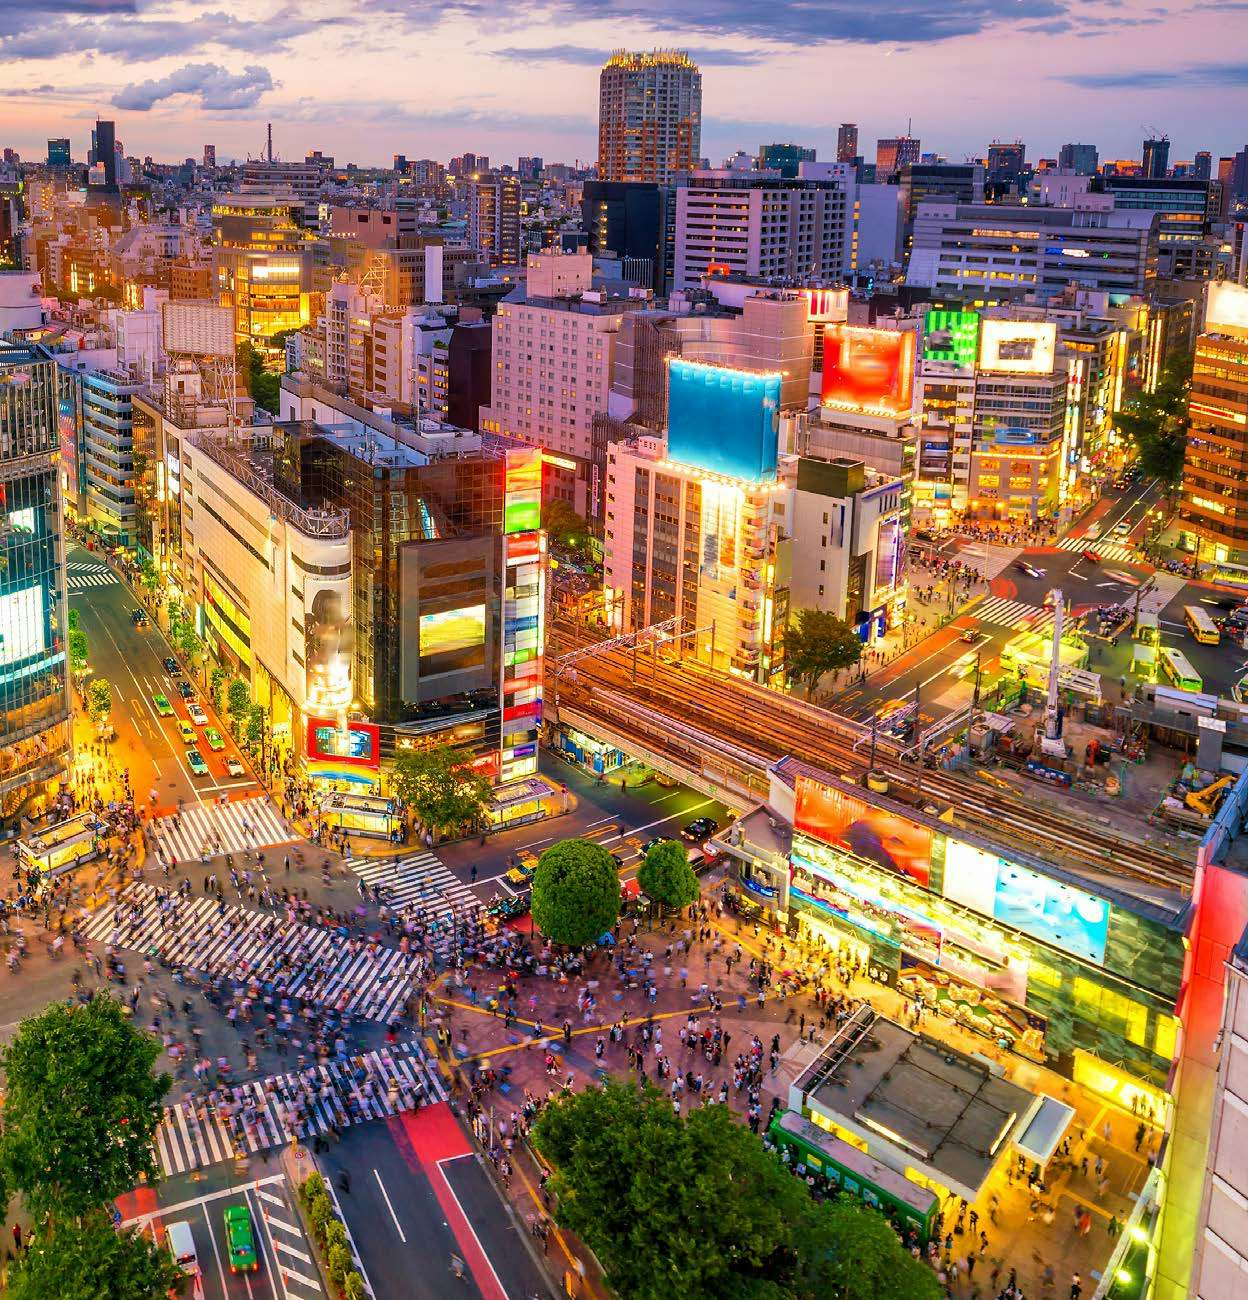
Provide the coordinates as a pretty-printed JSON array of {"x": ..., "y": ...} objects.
[
  {"x": 951, "y": 336},
  {"x": 723, "y": 420},
  {"x": 1226, "y": 310},
  {"x": 1018, "y": 347},
  {"x": 452, "y": 639},
  {"x": 359, "y": 744},
  {"x": 22, "y": 628},
  {"x": 868, "y": 369},
  {"x": 873, "y": 833},
  {"x": 343, "y": 744}
]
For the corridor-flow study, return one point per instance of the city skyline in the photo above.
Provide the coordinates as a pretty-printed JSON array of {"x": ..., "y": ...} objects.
[{"x": 380, "y": 77}]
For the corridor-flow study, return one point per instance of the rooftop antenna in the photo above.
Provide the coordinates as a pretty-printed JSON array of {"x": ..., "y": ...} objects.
[{"x": 269, "y": 145}]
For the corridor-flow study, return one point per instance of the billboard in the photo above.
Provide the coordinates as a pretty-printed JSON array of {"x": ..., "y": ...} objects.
[
  {"x": 1058, "y": 914},
  {"x": 197, "y": 329},
  {"x": 23, "y": 627},
  {"x": 328, "y": 645},
  {"x": 358, "y": 745},
  {"x": 1018, "y": 347},
  {"x": 951, "y": 336},
  {"x": 827, "y": 304},
  {"x": 522, "y": 491},
  {"x": 880, "y": 836},
  {"x": 452, "y": 639},
  {"x": 868, "y": 369},
  {"x": 1226, "y": 309},
  {"x": 723, "y": 420}
]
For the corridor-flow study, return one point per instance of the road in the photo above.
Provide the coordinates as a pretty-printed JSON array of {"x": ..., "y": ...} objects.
[
  {"x": 131, "y": 660},
  {"x": 417, "y": 1196}
]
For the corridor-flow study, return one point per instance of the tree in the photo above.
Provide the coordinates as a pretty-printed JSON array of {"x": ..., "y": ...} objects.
[
  {"x": 666, "y": 876},
  {"x": 90, "y": 1260},
  {"x": 99, "y": 699},
  {"x": 263, "y": 385},
  {"x": 442, "y": 788},
  {"x": 188, "y": 641},
  {"x": 818, "y": 642},
  {"x": 566, "y": 529},
  {"x": 237, "y": 701},
  {"x": 149, "y": 574},
  {"x": 75, "y": 618},
  {"x": 1158, "y": 422},
  {"x": 576, "y": 892},
  {"x": 216, "y": 683},
  {"x": 697, "y": 1208},
  {"x": 253, "y": 733},
  {"x": 79, "y": 650},
  {"x": 81, "y": 1107}
]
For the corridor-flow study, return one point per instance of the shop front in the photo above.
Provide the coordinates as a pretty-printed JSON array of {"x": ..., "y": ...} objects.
[
  {"x": 60, "y": 848},
  {"x": 596, "y": 755},
  {"x": 362, "y": 814}
]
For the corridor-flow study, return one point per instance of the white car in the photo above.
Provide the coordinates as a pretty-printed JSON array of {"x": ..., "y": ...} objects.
[
  {"x": 234, "y": 768},
  {"x": 198, "y": 716}
]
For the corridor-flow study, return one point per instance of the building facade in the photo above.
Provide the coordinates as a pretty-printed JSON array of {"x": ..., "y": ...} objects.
[
  {"x": 493, "y": 201},
  {"x": 649, "y": 116}
]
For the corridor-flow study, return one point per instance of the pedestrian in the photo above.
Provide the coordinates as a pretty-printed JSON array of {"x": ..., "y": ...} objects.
[{"x": 344, "y": 1180}]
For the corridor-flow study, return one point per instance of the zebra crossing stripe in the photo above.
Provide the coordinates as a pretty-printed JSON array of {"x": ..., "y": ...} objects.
[
  {"x": 1105, "y": 549},
  {"x": 1011, "y": 613},
  {"x": 369, "y": 981},
  {"x": 237, "y": 827},
  {"x": 418, "y": 878},
  {"x": 80, "y": 581}
]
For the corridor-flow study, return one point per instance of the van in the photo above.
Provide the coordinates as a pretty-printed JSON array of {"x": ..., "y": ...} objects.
[{"x": 182, "y": 1247}]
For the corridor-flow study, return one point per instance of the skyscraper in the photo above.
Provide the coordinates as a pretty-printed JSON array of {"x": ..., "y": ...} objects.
[
  {"x": 1202, "y": 165},
  {"x": 59, "y": 153},
  {"x": 34, "y": 685},
  {"x": 1082, "y": 159},
  {"x": 104, "y": 152},
  {"x": 494, "y": 218},
  {"x": 210, "y": 155},
  {"x": 891, "y": 155},
  {"x": 1006, "y": 162},
  {"x": 1156, "y": 158},
  {"x": 649, "y": 116},
  {"x": 847, "y": 142},
  {"x": 784, "y": 158}
]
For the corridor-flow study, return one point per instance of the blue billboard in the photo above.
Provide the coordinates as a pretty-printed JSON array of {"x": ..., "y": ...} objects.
[{"x": 723, "y": 420}]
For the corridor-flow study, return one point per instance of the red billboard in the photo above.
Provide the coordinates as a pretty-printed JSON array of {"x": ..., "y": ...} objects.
[
  {"x": 868, "y": 369},
  {"x": 875, "y": 834},
  {"x": 359, "y": 745}
]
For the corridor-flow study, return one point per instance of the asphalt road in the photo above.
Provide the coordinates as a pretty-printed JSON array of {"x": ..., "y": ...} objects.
[{"x": 131, "y": 660}]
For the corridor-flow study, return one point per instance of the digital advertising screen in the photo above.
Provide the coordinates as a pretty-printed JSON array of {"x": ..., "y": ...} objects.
[
  {"x": 1018, "y": 347},
  {"x": 868, "y": 369},
  {"x": 359, "y": 744},
  {"x": 951, "y": 336},
  {"x": 876, "y": 834},
  {"x": 452, "y": 639},
  {"x": 23, "y": 630},
  {"x": 723, "y": 420}
]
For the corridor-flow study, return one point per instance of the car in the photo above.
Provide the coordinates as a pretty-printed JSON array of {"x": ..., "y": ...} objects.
[
  {"x": 1029, "y": 569},
  {"x": 198, "y": 716},
  {"x": 185, "y": 689},
  {"x": 162, "y": 706},
  {"x": 1091, "y": 557},
  {"x": 234, "y": 767},
  {"x": 186, "y": 731},
  {"x": 700, "y": 828},
  {"x": 241, "y": 1240},
  {"x": 213, "y": 737},
  {"x": 522, "y": 873},
  {"x": 970, "y": 635},
  {"x": 1120, "y": 529},
  {"x": 138, "y": 617},
  {"x": 182, "y": 1247},
  {"x": 171, "y": 666},
  {"x": 505, "y": 909},
  {"x": 650, "y": 843},
  {"x": 195, "y": 761}
]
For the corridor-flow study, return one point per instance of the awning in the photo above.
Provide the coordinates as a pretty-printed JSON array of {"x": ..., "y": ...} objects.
[{"x": 1044, "y": 1131}]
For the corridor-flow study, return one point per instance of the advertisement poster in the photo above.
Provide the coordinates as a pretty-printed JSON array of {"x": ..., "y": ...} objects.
[
  {"x": 873, "y": 833},
  {"x": 359, "y": 744},
  {"x": 723, "y": 420},
  {"x": 868, "y": 369},
  {"x": 904, "y": 928},
  {"x": 329, "y": 640}
]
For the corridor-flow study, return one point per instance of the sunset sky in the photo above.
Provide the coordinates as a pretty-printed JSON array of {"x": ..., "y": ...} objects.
[{"x": 363, "y": 79}]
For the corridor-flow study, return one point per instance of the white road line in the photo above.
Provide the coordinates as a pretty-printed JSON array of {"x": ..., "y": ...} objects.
[
  {"x": 638, "y": 829},
  {"x": 397, "y": 1227},
  {"x": 467, "y": 1220}
]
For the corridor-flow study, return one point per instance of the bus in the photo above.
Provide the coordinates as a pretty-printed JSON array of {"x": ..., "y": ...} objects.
[
  {"x": 1201, "y": 626},
  {"x": 1178, "y": 671},
  {"x": 850, "y": 1170},
  {"x": 1147, "y": 628}
]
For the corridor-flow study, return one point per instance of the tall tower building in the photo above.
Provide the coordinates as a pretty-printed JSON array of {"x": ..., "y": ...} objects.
[
  {"x": 104, "y": 152},
  {"x": 847, "y": 142},
  {"x": 59, "y": 153},
  {"x": 649, "y": 116},
  {"x": 210, "y": 155},
  {"x": 1082, "y": 159},
  {"x": 1156, "y": 159},
  {"x": 892, "y": 154},
  {"x": 34, "y": 683},
  {"x": 494, "y": 218}
]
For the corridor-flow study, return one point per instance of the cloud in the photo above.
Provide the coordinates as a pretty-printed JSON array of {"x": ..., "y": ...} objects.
[
  {"x": 1195, "y": 75},
  {"x": 590, "y": 57},
  {"x": 217, "y": 88}
]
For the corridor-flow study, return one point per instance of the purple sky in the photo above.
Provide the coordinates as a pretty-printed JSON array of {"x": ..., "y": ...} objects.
[{"x": 363, "y": 79}]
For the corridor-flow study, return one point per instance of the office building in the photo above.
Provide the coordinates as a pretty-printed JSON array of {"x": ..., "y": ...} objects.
[
  {"x": 107, "y": 444},
  {"x": 1213, "y": 502},
  {"x": 959, "y": 182},
  {"x": 1186, "y": 206},
  {"x": 756, "y": 225},
  {"x": 847, "y": 142},
  {"x": 210, "y": 156},
  {"x": 1006, "y": 162},
  {"x": 493, "y": 202},
  {"x": 784, "y": 158},
  {"x": 59, "y": 154},
  {"x": 260, "y": 176},
  {"x": 34, "y": 679},
  {"x": 892, "y": 153},
  {"x": 649, "y": 116},
  {"x": 103, "y": 174},
  {"x": 1002, "y": 251},
  {"x": 1082, "y": 159},
  {"x": 1202, "y": 165},
  {"x": 636, "y": 222},
  {"x": 1156, "y": 159}
]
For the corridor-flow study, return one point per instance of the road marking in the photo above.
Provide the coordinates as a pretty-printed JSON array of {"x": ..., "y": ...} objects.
[
  {"x": 638, "y": 829},
  {"x": 290, "y": 1250},
  {"x": 141, "y": 1220},
  {"x": 535, "y": 843},
  {"x": 600, "y": 821},
  {"x": 397, "y": 1227},
  {"x": 502, "y": 1290}
]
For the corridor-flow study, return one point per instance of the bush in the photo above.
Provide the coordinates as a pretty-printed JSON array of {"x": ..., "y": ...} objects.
[
  {"x": 338, "y": 1262},
  {"x": 320, "y": 1213},
  {"x": 353, "y": 1287},
  {"x": 312, "y": 1186},
  {"x": 335, "y": 1235},
  {"x": 576, "y": 892}
]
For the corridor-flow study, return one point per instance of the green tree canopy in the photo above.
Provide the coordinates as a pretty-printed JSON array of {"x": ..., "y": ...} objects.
[
  {"x": 254, "y": 731},
  {"x": 567, "y": 530},
  {"x": 1157, "y": 423},
  {"x": 75, "y": 618},
  {"x": 666, "y": 876},
  {"x": 217, "y": 679},
  {"x": 576, "y": 892},
  {"x": 817, "y": 642},
  {"x": 442, "y": 788},
  {"x": 81, "y": 1107},
  {"x": 697, "y": 1208},
  {"x": 90, "y": 1260},
  {"x": 262, "y": 384},
  {"x": 79, "y": 650},
  {"x": 237, "y": 699},
  {"x": 99, "y": 699},
  {"x": 149, "y": 574}
]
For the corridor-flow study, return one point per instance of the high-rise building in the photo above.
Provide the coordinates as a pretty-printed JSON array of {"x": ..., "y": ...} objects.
[
  {"x": 529, "y": 168},
  {"x": 1156, "y": 163},
  {"x": 494, "y": 217},
  {"x": 649, "y": 116},
  {"x": 34, "y": 683},
  {"x": 784, "y": 158},
  {"x": 59, "y": 153},
  {"x": 1213, "y": 505},
  {"x": 210, "y": 155},
  {"x": 635, "y": 221},
  {"x": 1082, "y": 159},
  {"x": 1202, "y": 165},
  {"x": 1006, "y": 162},
  {"x": 847, "y": 142},
  {"x": 104, "y": 154},
  {"x": 108, "y": 452},
  {"x": 961, "y": 182},
  {"x": 892, "y": 153},
  {"x": 399, "y": 163}
]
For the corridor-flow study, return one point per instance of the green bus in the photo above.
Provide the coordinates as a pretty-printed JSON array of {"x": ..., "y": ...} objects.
[
  {"x": 1179, "y": 671},
  {"x": 855, "y": 1172}
]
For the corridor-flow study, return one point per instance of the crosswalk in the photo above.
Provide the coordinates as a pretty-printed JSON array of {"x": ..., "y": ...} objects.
[
  {"x": 1106, "y": 549},
  {"x": 233, "y": 827},
  {"x": 1015, "y": 614},
  {"x": 85, "y": 578},
  {"x": 318, "y": 965},
  {"x": 269, "y": 1112},
  {"x": 417, "y": 878}
]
